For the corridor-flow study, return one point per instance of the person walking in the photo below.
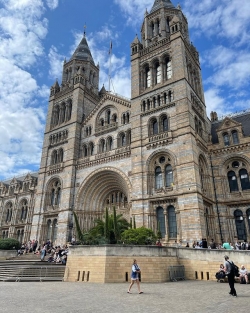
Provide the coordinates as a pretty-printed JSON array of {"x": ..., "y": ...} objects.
[
  {"x": 135, "y": 277},
  {"x": 230, "y": 275}
]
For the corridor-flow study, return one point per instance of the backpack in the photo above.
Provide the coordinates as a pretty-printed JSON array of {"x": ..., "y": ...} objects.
[{"x": 234, "y": 269}]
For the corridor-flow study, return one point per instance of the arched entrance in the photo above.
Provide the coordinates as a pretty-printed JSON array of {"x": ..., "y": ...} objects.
[{"x": 105, "y": 188}]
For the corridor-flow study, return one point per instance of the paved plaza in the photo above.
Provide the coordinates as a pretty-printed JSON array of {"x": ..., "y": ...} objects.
[{"x": 185, "y": 296}]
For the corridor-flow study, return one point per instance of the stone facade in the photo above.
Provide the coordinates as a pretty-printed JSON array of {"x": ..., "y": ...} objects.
[{"x": 157, "y": 157}]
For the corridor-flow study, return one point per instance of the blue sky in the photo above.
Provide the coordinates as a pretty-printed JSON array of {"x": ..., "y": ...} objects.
[{"x": 36, "y": 36}]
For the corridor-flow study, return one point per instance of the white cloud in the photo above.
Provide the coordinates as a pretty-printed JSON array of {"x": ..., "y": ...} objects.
[
  {"x": 224, "y": 18},
  {"x": 56, "y": 63},
  {"x": 52, "y": 4},
  {"x": 22, "y": 115},
  {"x": 134, "y": 9}
]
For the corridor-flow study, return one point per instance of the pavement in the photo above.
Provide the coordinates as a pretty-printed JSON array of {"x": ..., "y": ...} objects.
[{"x": 182, "y": 297}]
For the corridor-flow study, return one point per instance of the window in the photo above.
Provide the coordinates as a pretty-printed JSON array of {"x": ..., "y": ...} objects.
[
  {"x": 102, "y": 146},
  {"x": 161, "y": 221},
  {"x": 155, "y": 127},
  {"x": 55, "y": 193},
  {"x": 169, "y": 68},
  {"x": 232, "y": 179},
  {"x": 244, "y": 179},
  {"x": 108, "y": 117},
  {"x": 226, "y": 139},
  {"x": 123, "y": 140},
  {"x": 172, "y": 225},
  {"x": 158, "y": 178},
  {"x": 85, "y": 151},
  {"x": 169, "y": 175},
  {"x": 165, "y": 124},
  {"x": 91, "y": 148},
  {"x": 109, "y": 144},
  {"x": 235, "y": 137},
  {"x": 240, "y": 225},
  {"x": 148, "y": 78},
  {"x": 158, "y": 73}
]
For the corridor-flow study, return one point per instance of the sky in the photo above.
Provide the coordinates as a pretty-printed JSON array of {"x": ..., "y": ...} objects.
[{"x": 37, "y": 35}]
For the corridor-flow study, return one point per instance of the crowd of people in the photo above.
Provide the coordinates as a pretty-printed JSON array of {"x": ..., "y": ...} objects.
[
  {"x": 203, "y": 244},
  {"x": 55, "y": 254}
]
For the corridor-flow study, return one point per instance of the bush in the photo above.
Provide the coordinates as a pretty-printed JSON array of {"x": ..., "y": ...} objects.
[
  {"x": 139, "y": 236},
  {"x": 9, "y": 244}
]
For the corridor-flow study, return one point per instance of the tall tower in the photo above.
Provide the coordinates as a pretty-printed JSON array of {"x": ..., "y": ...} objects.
[
  {"x": 169, "y": 126},
  {"x": 68, "y": 105}
]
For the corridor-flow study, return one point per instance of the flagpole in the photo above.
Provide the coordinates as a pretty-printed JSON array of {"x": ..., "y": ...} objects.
[{"x": 110, "y": 55}]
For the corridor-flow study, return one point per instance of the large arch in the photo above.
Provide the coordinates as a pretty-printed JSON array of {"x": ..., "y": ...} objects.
[{"x": 91, "y": 199}]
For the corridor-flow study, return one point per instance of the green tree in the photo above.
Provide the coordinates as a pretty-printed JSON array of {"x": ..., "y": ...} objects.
[
  {"x": 138, "y": 236},
  {"x": 111, "y": 227}
]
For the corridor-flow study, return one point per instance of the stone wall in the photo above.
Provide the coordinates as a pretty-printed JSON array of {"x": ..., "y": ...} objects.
[
  {"x": 6, "y": 254},
  {"x": 112, "y": 264}
]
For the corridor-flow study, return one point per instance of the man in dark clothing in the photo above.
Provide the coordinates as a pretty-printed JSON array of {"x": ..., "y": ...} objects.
[
  {"x": 204, "y": 243},
  {"x": 212, "y": 244},
  {"x": 230, "y": 276}
]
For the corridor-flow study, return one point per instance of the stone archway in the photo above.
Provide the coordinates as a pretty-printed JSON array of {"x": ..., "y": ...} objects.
[{"x": 107, "y": 187}]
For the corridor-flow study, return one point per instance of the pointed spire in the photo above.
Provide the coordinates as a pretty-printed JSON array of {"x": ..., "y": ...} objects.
[
  {"x": 158, "y": 4},
  {"x": 82, "y": 52},
  {"x": 136, "y": 40}
]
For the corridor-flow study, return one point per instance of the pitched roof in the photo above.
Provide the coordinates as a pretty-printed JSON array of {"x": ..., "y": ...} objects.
[
  {"x": 242, "y": 118},
  {"x": 162, "y": 4}
]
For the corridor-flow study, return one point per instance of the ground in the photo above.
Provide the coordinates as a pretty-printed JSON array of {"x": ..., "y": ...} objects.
[{"x": 181, "y": 297}]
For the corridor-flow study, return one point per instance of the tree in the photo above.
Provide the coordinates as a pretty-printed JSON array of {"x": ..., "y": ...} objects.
[
  {"x": 138, "y": 236},
  {"x": 111, "y": 227}
]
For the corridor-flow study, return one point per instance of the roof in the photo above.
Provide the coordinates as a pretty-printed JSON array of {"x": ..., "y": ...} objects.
[
  {"x": 242, "y": 118},
  {"x": 162, "y": 4},
  {"x": 20, "y": 178},
  {"x": 82, "y": 52}
]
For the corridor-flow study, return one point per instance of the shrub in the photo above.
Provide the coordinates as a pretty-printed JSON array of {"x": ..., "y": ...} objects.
[
  {"x": 138, "y": 236},
  {"x": 9, "y": 244}
]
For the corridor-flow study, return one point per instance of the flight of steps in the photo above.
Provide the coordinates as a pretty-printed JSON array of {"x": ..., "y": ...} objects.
[{"x": 29, "y": 267}]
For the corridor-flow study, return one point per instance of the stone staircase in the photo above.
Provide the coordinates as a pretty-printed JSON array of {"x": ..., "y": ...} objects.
[{"x": 29, "y": 268}]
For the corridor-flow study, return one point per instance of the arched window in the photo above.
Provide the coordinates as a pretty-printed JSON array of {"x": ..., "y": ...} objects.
[
  {"x": 172, "y": 225},
  {"x": 58, "y": 198},
  {"x": 108, "y": 117},
  {"x": 102, "y": 146},
  {"x": 123, "y": 140},
  {"x": 226, "y": 139},
  {"x": 235, "y": 137},
  {"x": 114, "y": 118},
  {"x": 248, "y": 218},
  {"x": 127, "y": 117},
  {"x": 168, "y": 68},
  {"x": 165, "y": 124},
  {"x": 148, "y": 78},
  {"x": 169, "y": 175},
  {"x": 158, "y": 178},
  {"x": 54, "y": 157},
  {"x": 60, "y": 156},
  {"x": 232, "y": 180},
  {"x": 91, "y": 148},
  {"x": 102, "y": 122},
  {"x": 52, "y": 199},
  {"x": 244, "y": 179},
  {"x": 200, "y": 128},
  {"x": 55, "y": 193},
  {"x": 129, "y": 137},
  {"x": 123, "y": 118},
  {"x": 240, "y": 225},
  {"x": 155, "y": 127},
  {"x": 161, "y": 221},
  {"x": 85, "y": 151},
  {"x": 158, "y": 73},
  {"x": 109, "y": 144}
]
